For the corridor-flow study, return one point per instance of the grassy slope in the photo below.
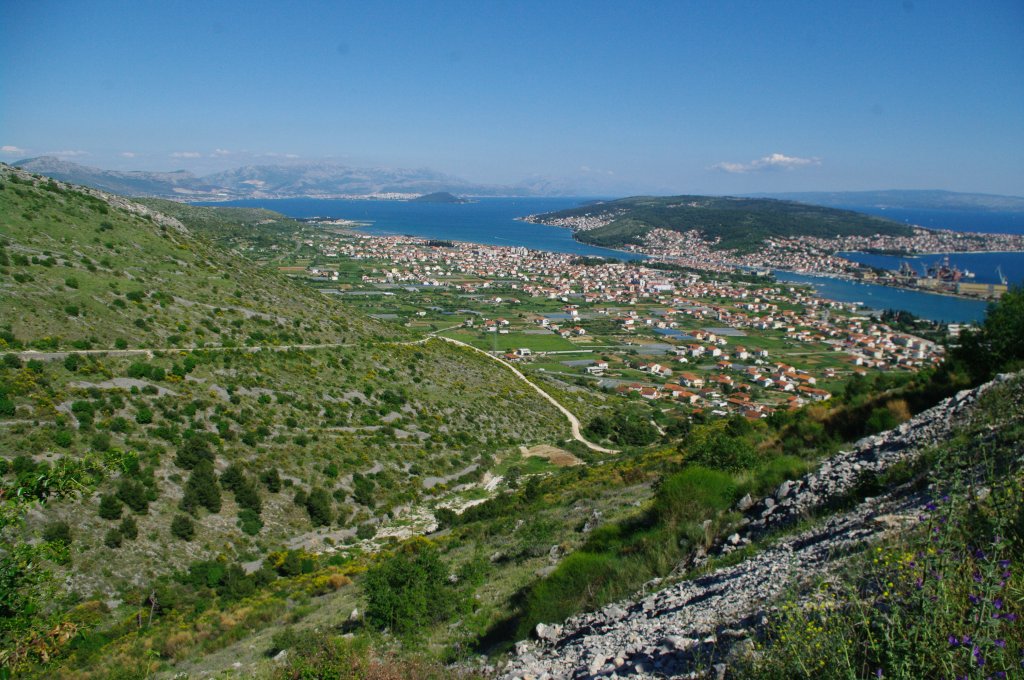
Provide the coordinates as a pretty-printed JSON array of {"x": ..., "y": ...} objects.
[
  {"x": 741, "y": 223},
  {"x": 403, "y": 411},
  {"x": 72, "y": 260}
]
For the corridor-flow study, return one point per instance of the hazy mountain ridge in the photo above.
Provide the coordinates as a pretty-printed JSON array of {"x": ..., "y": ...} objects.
[
  {"x": 293, "y": 180},
  {"x": 915, "y": 199}
]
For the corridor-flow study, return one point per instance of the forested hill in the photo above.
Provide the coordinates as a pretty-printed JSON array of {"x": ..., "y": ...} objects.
[{"x": 739, "y": 223}]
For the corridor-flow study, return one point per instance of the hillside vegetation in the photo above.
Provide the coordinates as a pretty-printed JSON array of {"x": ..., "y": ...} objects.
[
  {"x": 177, "y": 502},
  {"x": 737, "y": 223},
  {"x": 83, "y": 270}
]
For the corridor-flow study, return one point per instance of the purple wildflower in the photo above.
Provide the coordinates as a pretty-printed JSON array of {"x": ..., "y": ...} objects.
[
  {"x": 977, "y": 577},
  {"x": 1010, "y": 617},
  {"x": 997, "y": 603},
  {"x": 999, "y": 643},
  {"x": 953, "y": 642},
  {"x": 974, "y": 598}
]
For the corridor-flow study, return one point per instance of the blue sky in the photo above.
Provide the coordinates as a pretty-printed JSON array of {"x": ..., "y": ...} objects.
[{"x": 716, "y": 97}]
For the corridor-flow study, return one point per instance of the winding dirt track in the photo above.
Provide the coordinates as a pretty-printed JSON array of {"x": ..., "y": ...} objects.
[{"x": 574, "y": 422}]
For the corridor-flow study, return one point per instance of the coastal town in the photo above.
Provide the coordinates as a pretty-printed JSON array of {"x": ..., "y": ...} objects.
[
  {"x": 703, "y": 343},
  {"x": 819, "y": 256}
]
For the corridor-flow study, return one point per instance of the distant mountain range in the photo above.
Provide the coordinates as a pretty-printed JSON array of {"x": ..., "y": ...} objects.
[
  {"x": 293, "y": 180},
  {"x": 330, "y": 180},
  {"x": 905, "y": 200}
]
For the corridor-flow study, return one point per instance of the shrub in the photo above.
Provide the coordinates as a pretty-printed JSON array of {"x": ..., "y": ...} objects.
[
  {"x": 113, "y": 538},
  {"x": 775, "y": 471},
  {"x": 318, "y": 505},
  {"x": 72, "y": 362},
  {"x": 365, "y": 531},
  {"x": 110, "y": 507},
  {"x": 128, "y": 528},
  {"x": 182, "y": 527},
  {"x": 410, "y": 590},
  {"x": 576, "y": 584},
  {"x": 201, "y": 489},
  {"x": 194, "y": 449},
  {"x": 133, "y": 494},
  {"x": 723, "y": 451},
  {"x": 694, "y": 494},
  {"x": 272, "y": 480},
  {"x": 57, "y": 532}
]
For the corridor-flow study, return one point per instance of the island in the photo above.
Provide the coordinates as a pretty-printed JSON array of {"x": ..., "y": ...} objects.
[
  {"x": 723, "y": 233},
  {"x": 438, "y": 197}
]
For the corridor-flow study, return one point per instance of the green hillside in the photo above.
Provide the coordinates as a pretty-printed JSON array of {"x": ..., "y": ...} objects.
[
  {"x": 81, "y": 273},
  {"x": 741, "y": 223},
  {"x": 205, "y": 390}
]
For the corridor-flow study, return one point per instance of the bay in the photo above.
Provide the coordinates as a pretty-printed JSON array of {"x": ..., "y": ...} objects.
[
  {"x": 925, "y": 305},
  {"x": 983, "y": 265},
  {"x": 491, "y": 221}
]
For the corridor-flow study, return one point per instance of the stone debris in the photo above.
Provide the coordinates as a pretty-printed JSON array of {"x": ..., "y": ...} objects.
[{"x": 695, "y": 628}]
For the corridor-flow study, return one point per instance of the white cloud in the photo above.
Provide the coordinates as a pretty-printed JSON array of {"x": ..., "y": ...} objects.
[
  {"x": 775, "y": 161},
  {"x": 67, "y": 153},
  {"x": 128, "y": 154},
  {"x": 274, "y": 154},
  {"x": 219, "y": 153},
  {"x": 8, "y": 148},
  {"x": 186, "y": 154}
]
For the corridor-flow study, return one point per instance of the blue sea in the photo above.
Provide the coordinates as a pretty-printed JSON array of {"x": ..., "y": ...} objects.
[
  {"x": 984, "y": 266},
  {"x": 925, "y": 305},
  {"x": 493, "y": 221},
  {"x": 486, "y": 220},
  {"x": 957, "y": 220}
]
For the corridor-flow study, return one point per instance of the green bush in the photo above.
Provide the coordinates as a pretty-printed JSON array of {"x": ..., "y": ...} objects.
[
  {"x": 410, "y": 591},
  {"x": 318, "y": 505},
  {"x": 272, "y": 480},
  {"x": 110, "y": 507},
  {"x": 201, "y": 489},
  {"x": 694, "y": 494},
  {"x": 182, "y": 527},
  {"x": 129, "y": 528},
  {"x": 133, "y": 494},
  {"x": 57, "y": 532},
  {"x": 113, "y": 538},
  {"x": 724, "y": 451},
  {"x": 579, "y": 582},
  {"x": 773, "y": 472}
]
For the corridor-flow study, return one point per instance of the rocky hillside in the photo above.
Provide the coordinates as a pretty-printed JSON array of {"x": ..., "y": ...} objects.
[
  {"x": 701, "y": 625},
  {"x": 85, "y": 269}
]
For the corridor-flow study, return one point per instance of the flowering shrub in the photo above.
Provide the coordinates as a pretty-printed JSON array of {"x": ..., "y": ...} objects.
[{"x": 943, "y": 600}]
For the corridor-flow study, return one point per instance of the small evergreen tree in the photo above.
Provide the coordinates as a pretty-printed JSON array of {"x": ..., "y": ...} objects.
[
  {"x": 318, "y": 505},
  {"x": 113, "y": 538},
  {"x": 201, "y": 489},
  {"x": 128, "y": 528},
  {"x": 133, "y": 494},
  {"x": 110, "y": 507},
  {"x": 272, "y": 480},
  {"x": 182, "y": 527}
]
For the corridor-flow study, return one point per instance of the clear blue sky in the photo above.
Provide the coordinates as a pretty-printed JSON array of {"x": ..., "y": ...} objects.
[{"x": 717, "y": 96}]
